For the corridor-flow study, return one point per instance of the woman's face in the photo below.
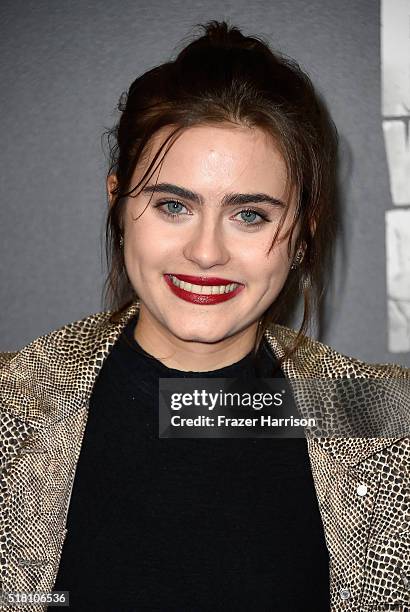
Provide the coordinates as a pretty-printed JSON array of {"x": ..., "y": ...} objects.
[{"x": 210, "y": 234}]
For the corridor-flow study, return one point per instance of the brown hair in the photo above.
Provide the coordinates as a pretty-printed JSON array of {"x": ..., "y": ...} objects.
[{"x": 219, "y": 77}]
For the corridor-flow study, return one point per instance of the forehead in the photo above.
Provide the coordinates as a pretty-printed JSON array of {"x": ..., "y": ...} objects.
[{"x": 217, "y": 158}]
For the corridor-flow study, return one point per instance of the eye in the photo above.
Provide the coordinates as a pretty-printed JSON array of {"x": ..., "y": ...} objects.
[
  {"x": 172, "y": 209},
  {"x": 249, "y": 215}
]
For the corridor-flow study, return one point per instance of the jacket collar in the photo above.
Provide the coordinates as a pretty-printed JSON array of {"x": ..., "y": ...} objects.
[{"x": 52, "y": 377}]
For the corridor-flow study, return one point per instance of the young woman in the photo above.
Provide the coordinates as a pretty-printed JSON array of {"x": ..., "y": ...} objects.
[{"x": 221, "y": 213}]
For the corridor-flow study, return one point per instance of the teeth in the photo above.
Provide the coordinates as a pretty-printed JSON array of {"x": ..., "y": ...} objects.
[{"x": 204, "y": 289}]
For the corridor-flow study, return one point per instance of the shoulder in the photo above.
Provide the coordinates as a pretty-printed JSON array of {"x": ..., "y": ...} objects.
[
  {"x": 58, "y": 369},
  {"x": 314, "y": 358},
  {"x": 76, "y": 336},
  {"x": 367, "y": 402},
  {"x": 72, "y": 332}
]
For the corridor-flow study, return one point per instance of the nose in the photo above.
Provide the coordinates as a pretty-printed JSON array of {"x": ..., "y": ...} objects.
[{"x": 206, "y": 245}]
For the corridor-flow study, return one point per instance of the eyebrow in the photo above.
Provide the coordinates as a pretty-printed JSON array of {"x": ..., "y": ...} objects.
[{"x": 229, "y": 199}]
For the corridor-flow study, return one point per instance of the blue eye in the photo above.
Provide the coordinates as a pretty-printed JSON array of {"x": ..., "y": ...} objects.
[
  {"x": 248, "y": 212},
  {"x": 174, "y": 213},
  {"x": 174, "y": 205}
]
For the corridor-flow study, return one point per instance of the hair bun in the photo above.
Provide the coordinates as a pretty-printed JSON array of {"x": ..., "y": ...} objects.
[{"x": 221, "y": 33}]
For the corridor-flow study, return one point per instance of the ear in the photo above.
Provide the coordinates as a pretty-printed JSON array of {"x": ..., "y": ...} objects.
[{"x": 111, "y": 185}]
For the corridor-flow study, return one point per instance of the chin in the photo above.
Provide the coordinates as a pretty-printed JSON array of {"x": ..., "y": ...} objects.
[{"x": 197, "y": 335}]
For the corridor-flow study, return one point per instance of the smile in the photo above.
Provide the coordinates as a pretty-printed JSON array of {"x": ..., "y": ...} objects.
[{"x": 202, "y": 293}]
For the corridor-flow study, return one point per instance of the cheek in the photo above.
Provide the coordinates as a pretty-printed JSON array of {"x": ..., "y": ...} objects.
[
  {"x": 147, "y": 254},
  {"x": 270, "y": 269},
  {"x": 150, "y": 236}
]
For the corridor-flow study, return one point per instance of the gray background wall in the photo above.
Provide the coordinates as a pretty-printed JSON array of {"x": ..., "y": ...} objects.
[{"x": 63, "y": 66}]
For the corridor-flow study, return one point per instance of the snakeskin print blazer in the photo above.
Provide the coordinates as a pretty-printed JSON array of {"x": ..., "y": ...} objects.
[{"x": 361, "y": 483}]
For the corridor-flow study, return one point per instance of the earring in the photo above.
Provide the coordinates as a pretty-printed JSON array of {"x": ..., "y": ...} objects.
[
  {"x": 297, "y": 260},
  {"x": 121, "y": 241},
  {"x": 305, "y": 283}
]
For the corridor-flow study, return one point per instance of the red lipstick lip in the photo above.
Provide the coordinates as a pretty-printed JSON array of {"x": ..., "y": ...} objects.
[
  {"x": 201, "y": 298},
  {"x": 204, "y": 280}
]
